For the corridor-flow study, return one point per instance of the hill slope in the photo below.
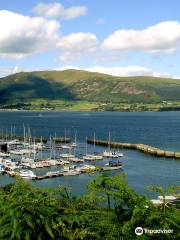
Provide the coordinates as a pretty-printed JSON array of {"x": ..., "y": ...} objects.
[{"x": 87, "y": 86}]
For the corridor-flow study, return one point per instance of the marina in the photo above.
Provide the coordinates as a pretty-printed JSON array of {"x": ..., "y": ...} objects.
[
  {"x": 50, "y": 157},
  {"x": 21, "y": 157}
]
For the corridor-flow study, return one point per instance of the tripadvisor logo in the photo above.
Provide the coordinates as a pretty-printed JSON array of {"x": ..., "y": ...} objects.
[{"x": 139, "y": 231}]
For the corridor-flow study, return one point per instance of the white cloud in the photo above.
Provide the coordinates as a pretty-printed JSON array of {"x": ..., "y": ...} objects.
[
  {"x": 4, "y": 71},
  {"x": 123, "y": 71},
  {"x": 76, "y": 46},
  {"x": 21, "y": 36},
  {"x": 78, "y": 41},
  {"x": 68, "y": 67},
  {"x": 119, "y": 71},
  {"x": 57, "y": 10},
  {"x": 163, "y": 37}
]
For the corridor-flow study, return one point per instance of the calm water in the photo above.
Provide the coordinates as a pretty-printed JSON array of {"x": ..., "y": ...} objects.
[{"x": 160, "y": 129}]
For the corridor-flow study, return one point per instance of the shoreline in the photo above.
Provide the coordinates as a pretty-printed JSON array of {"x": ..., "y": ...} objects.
[{"x": 42, "y": 110}]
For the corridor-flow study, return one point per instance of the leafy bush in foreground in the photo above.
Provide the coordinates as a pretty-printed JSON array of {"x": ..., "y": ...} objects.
[{"x": 109, "y": 210}]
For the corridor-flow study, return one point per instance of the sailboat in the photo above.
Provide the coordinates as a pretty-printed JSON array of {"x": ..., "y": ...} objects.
[
  {"x": 66, "y": 155},
  {"x": 109, "y": 154},
  {"x": 90, "y": 157},
  {"x": 66, "y": 145},
  {"x": 74, "y": 144}
]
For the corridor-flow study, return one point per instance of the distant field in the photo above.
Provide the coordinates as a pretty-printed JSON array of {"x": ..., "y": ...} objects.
[{"x": 63, "y": 105}]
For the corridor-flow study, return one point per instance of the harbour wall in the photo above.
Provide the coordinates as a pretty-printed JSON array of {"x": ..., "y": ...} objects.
[{"x": 140, "y": 147}]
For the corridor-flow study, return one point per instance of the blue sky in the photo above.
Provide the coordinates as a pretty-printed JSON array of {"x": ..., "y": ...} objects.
[{"x": 124, "y": 38}]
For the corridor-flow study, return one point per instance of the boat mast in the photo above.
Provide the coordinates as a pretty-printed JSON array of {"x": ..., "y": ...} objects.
[
  {"x": 14, "y": 131},
  {"x": 6, "y": 134},
  {"x": 34, "y": 149},
  {"x": 86, "y": 147},
  {"x": 75, "y": 140},
  {"x": 109, "y": 142},
  {"x": 75, "y": 137},
  {"x": 94, "y": 142},
  {"x": 50, "y": 147},
  {"x": 24, "y": 134},
  {"x": 11, "y": 133},
  {"x": 54, "y": 144},
  {"x": 65, "y": 135},
  {"x": 41, "y": 147}
]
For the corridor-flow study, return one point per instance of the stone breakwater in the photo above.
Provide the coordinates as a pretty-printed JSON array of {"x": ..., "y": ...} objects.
[{"x": 140, "y": 147}]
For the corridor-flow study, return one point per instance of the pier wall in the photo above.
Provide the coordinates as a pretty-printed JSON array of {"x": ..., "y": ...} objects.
[{"x": 140, "y": 147}]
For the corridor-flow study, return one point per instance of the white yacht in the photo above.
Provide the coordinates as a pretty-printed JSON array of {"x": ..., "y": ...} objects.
[
  {"x": 54, "y": 173},
  {"x": 91, "y": 157},
  {"x": 88, "y": 157},
  {"x": 17, "y": 152},
  {"x": 27, "y": 160},
  {"x": 71, "y": 173},
  {"x": 14, "y": 142},
  {"x": 62, "y": 162},
  {"x": 66, "y": 155},
  {"x": 2, "y": 154},
  {"x": 70, "y": 170},
  {"x": 108, "y": 153},
  {"x": 74, "y": 144},
  {"x": 27, "y": 174},
  {"x": 111, "y": 154}
]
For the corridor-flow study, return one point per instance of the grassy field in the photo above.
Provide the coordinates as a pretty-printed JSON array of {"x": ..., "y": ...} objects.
[
  {"x": 56, "y": 105},
  {"x": 64, "y": 105}
]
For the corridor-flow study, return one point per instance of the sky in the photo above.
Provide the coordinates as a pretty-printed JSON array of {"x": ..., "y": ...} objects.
[{"x": 118, "y": 37}]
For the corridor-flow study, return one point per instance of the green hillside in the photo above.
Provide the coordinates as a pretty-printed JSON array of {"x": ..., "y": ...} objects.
[{"x": 77, "y": 85}]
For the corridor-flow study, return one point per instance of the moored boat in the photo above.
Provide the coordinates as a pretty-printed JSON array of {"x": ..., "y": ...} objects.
[
  {"x": 71, "y": 172},
  {"x": 2, "y": 154},
  {"x": 112, "y": 165},
  {"x": 91, "y": 157},
  {"x": 26, "y": 174},
  {"x": 66, "y": 155},
  {"x": 110, "y": 154},
  {"x": 54, "y": 173}
]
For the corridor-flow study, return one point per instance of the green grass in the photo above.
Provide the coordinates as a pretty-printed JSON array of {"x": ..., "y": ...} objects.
[
  {"x": 64, "y": 105},
  {"x": 57, "y": 105}
]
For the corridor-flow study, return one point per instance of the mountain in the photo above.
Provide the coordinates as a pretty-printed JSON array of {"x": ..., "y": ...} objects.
[{"x": 87, "y": 86}]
